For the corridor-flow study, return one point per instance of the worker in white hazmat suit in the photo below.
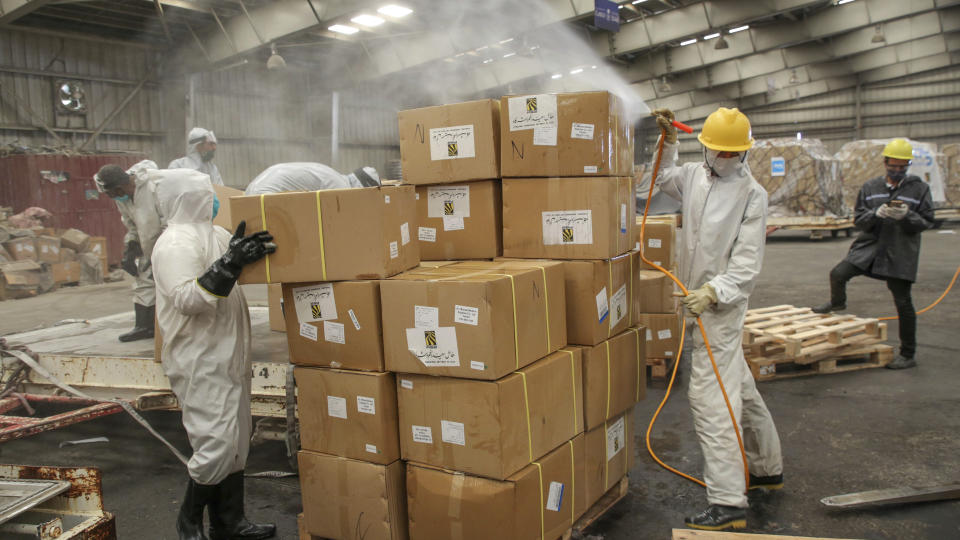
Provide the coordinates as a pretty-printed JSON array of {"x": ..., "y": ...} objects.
[
  {"x": 305, "y": 176},
  {"x": 723, "y": 235},
  {"x": 201, "y": 149},
  {"x": 134, "y": 191},
  {"x": 205, "y": 326}
]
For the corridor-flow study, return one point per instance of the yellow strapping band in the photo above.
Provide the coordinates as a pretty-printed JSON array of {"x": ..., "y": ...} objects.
[
  {"x": 630, "y": 300},
  {"x": 543, "y": 531},
  {"x": 640, "y": 366},
  {"x": 607, "y": 342},
  {"x": 606, "y": 459},
  {"x": 263, "y": 223},
  {"x": 626, "y": 444},
  {"x": 618, "y": 215},
  {"x": 516, "y": 337},
  {"x": 610, "y": 298},
  {"x": 323, "y": 257},
  {"x": 573, "y": 382},
  {"x": 573, "y": 485},
  {"x": 526, "y": 401},
  {"x": 546, "y": 305}
]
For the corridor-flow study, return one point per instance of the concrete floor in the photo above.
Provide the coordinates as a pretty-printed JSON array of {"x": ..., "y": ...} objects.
[{"x": 841, "y": 433}]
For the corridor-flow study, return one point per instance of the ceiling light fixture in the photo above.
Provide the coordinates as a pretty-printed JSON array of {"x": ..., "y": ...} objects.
[
  {"x": 508, "y": 55},
  {"x": 394, "y": 11},
  {"x": 275, "y": 61},
  {"x": 575, "y": 71},
  {"x": 688, "y": 42},
  {"x": 508, "y": 40},
  {"x": 593, "y": 67},
  {"x": 721, "y": 44},
  {"x": 842, "y": 2},
  {"x": 343, "y": 29},
  {"x": 635, "y": 2},
  {"x": 878, "y": 36},
  {"x": 488, "y": 60},
  {"x": 556, "y": 76},
  {"x": 739, "y": 29},
  {"x": 368, "y": 20},
  {"x": 711, "y": 36}
]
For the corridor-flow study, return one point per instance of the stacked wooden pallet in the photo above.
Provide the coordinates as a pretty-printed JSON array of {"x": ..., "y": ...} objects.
[{"x": 786, "y": 341}]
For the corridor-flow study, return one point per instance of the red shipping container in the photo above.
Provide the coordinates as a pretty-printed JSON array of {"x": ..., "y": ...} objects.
[{"x": 64, "y": 186}]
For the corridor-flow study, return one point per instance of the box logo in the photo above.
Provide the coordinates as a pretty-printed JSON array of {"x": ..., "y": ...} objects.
[
  {"x": 619, "y": 312},
  {"x": 531, "y": 104},
  {"x": 452, "y": 149},
  {"x": 567, "y": 234},
  {"x": 316, "y": 310},
  {"x": 448, "y": 208},
  {"x": 430, "y": 338}
]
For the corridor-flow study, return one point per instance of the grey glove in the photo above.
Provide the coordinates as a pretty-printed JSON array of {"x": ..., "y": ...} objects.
[
  {"x": 665, "y": 118},
  {"x": 897, "y": 212}
]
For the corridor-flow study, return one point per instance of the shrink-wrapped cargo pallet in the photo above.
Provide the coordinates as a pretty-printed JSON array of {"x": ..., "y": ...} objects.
[
  {"x": 951, "y": 188},
  {"x": 801, "y": 177}
]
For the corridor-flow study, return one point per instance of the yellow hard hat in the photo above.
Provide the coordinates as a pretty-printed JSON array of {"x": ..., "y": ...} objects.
[
  {"x": 726, "y": 130},
  {"x": 898, "y": 149}
]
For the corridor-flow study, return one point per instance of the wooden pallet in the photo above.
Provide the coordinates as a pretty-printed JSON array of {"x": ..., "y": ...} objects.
[
  {"x": 606, "y": 502},
  {"x": 849, "y": 359},
  {"x": 804, "y": 336}
]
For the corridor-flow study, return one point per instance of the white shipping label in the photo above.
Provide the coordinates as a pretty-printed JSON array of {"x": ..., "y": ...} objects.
[
  {"x": 616, "y": 438},
  {"x": 618, "y": 305},
  {"x": 479, "y": 366},
  {"x": 590, "y": 169},
  {"x": 333, "y": 332},
  {"x": 371, "y": 448},
  {"x": 427, "y": 234},
  {"x": 405, "y": 234},
  {"x": 452, "y": 432},
  {"x": 664, "y": 334},
  {"x": 654, "y": 243},
  {"x": 581, "y": 131},
  {"x": 426, "y": 317},
  {"x": 466, "y": 315},
  {"x": 366, "y": 405},
  {"x": 308, "y": 331},
  {"x": 44, "y": 249},
  {"x": 603, "y": 308},
  {"x": 418, "y": 196},
  {"x": 406, "y": 383},
  {"x": 434, "y": 348},
  {"x": 545, "y": 136},
  {"x": 531, "y": 112},
  {"x": 448, "y": 201},
  {"x": 567, "y": 227},
  {"x": 315, "y": 303},
  {"x": 353, "y": 317},
  {"x": 623, "y": 219},
  {"x": 337, "y": 407},
  {"x": 637, "y": 246},
  {"x": 452, "y": 223},
  {"x": 649, "y": 335},
  {"x": 454, "y": 142},
  {"x": 394, "y": 250},
  {"x": 386, "y": 199},
  {"x": 422, "y": 434},
  {"x": 555, "y": 498}
]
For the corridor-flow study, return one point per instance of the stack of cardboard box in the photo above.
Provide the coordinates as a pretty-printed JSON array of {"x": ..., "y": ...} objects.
[
  {"x": 658, "y": 308},
  {"x": 38, "y": 260}
]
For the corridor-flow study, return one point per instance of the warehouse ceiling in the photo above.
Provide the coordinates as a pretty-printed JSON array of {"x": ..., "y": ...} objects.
[{"x": 690, "y": 55}]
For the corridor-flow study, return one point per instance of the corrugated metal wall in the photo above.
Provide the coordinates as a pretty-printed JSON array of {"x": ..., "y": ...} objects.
[{"x": 367, "y": 130}]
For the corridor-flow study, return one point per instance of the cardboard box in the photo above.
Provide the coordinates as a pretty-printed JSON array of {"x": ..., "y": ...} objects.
[
  {"x": 578, "y": 134},
  {"x": 491, "y": 428},
  {"x": 98, "y": 246},
  {"x": 460, "y": 221},
  {"x": 364, "y": 233},
  {"x": 74, "y": 239},
  {"x": 609, "y": 455},
  {"x": 342, "y": 496},
  {"x": 223, "y": 217},
  {"x": 22, "y": 249},
  {"x": 477, "y": 320},
  {"x": 450, "y": 143},
  {"x": 568, "y": 218},
  {"x": 655, "y": 292},
  {"x": 614, "y": 376},
  {"x": 663, "y": 333},
  {"x": 67, "y": 255},
  {"x": 19, "y": 279},
  {"x": 537, "y": 502},
  {"x": 66, "y": 272},
  {"x": 348, "y": 413},
  {"x": 334, "y": 324},
  {"x": 48, "y": 249},
  {"x": 658, "y": 246},
  {"x": 275, "y": 307}
]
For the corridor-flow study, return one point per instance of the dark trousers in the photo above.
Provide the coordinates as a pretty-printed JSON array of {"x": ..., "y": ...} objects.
[{"x": 844, "y": 272}]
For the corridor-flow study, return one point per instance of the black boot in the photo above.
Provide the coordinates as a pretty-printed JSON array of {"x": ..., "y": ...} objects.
[
  {"x": 227, "y": 519},
  {"x": 902, "y": 362},
  {"x": 828, "y": 307},
  {"x": 719, "y": 518},
  {"x": 772, "y": 482},
  {"x": 143, "y": 327},
  {"x": 190, "y": 519}
]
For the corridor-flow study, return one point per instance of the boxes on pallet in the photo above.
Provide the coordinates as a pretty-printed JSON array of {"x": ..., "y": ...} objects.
[
  {"x": 614, "y": 376},
  {"x": 655, "y": 292},
  {"x": 491, "y": 428},
  {"x": 459, "y": 221},
  {"x": 663, "y": 333},
  {"x": 21, "y": 249},
  {"x": 542, "y": 500},
  {"x": 565, "y": 135},
  {"x": 98, "y": 246},
  {"x": 67, "y": 255},
  {"x": 48, "y": 249},
  {"x": 348, "y": 413},
  {"x": 450, "y": 143},
  {"x": 342, "y": 496},
  {"x": 74, "y": 239},
  {"x": 568, "y": 218},
  {"x": 334, "y": 324},
  {"x": 330, "y": 235},
  {"x": 66, "y": 272},
  {"x": 658, "y": 243},
  {"x": 19, "y": 279},
  {"x": 476, "y": 320},
  {"x": 608, "y": 455}
]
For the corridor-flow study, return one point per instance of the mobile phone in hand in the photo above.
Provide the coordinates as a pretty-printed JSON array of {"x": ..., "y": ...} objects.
[{"x": 897, "y": 203}]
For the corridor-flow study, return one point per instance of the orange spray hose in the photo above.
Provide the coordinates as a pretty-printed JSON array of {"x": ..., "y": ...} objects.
[
  {"x": 703, "y": 332},
  {"x": 931, "y": 306}
]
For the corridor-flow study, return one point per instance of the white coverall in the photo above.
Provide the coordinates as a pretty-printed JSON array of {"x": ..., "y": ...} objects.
[
  {"x": 724, "y": 231},
  {"x": 206, "y": 339},
  {"x": 144, "y": 221},
  {"x": 303, "y": 176},
  {"x": 193, "y": 160}
]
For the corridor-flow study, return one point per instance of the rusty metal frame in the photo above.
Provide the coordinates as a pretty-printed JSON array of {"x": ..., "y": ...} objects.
[{"x": 17, "y": 427}]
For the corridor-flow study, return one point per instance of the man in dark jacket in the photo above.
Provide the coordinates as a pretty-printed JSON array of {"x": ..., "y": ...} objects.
[{"x": 891, "y": 213}]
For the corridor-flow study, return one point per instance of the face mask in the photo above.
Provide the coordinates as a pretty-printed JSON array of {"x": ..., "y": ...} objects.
[
  {"x": 122, "y": 198},
  {"x": 208, "y": 156},
  {"x": 216, "y": 205},
  {"x": 896, "y": 175},
  {"x": 722, "y": 166}
]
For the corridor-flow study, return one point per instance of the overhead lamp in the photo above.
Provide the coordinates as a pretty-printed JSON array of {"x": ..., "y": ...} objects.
[
  {"x": 593, "y": 67},
  {"x": 509, "y": 54},
  {"x": 343, "y": 29},
  {"x": 488, "y": 60},
  {"x": 799, "y": 136},
  {"x": 793, "y": 77},
  {"x": 665, "y": 85},
  {"x": 394, "y": 11},
  {"x": 620, "y": 6},
  {"x": 739, "y": 29},
  {"x": 878, "y": 36},
  {"x": 275, "y": 61},
  {"x": 575, "y": 71},
  {"x": 556, "y": 76},
  {"x": 711, "y": 36},
  {"x": 688, "y": 42},
  {"x": 635, "y": 2},
  {"x": 508, "y": 40},
  {"x": 721, "y": 44},
  {"x": 842, "y": 2},
  {"x": 368, "y": 20}
]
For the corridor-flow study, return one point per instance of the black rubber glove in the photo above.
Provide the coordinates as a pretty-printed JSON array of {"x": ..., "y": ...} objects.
[
  {"x": 130, "y": 253},
  {"x": 220, "y": 278}
]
